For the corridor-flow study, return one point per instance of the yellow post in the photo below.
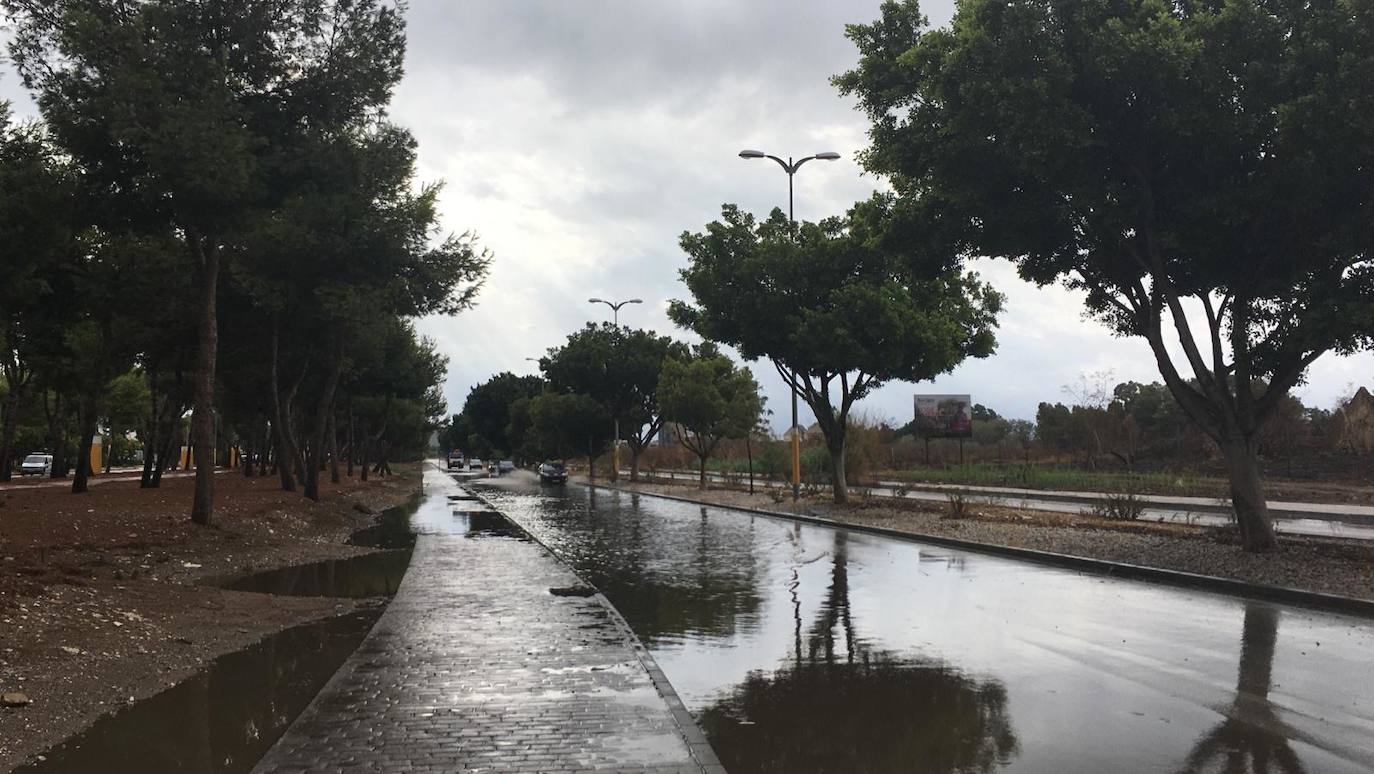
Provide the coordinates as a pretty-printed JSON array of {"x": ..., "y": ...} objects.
[
  {"x": 97, "y": 459},
  {"x": 796, "y": 458}
]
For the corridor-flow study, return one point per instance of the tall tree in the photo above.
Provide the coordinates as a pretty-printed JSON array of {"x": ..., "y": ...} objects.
[
  {"x": 488, "y": 405},
  {"x": 37, "y": 232},
  {"x": 840, "y": 309},
  {"x": 619, "y": 368},
  {"x": 565, "y": 424},
  {"x": 1161, "y": 158},
  {"x": 709, "y": 399},
  {"x": 176, "y": 107}
]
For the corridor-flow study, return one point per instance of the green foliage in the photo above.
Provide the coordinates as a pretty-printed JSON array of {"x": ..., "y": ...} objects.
[
  {"x": 835, "y": 300},
  {"x": 619, "y": 368},
  {"x": 1150, "y": 154},
  {"x": 487, "y": 411},
  {"x": 709, "y": 398},
  {"x": 1056, "y": 477},
  {"x": 840, "y": 307},
  {"x": 567, "y": 425}
]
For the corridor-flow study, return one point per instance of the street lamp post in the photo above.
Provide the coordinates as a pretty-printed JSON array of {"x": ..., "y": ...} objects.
[
  {"x": 790, "y": 167},
  {"x": 615, "y": 419}
]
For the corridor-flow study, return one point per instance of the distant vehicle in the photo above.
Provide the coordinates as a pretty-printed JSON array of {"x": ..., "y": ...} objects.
[
  {"x": 474, "y": 464},
  {"x": 36, "y": 465},
  {"x": 455, "y": 459},
  {"x": 505, "y": 466},
  {"x": 492, "y": 469},
  {"x": 553, "y": 473}
]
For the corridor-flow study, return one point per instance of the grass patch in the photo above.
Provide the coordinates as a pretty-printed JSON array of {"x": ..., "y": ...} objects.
[{"x": 1050, "y": 477}]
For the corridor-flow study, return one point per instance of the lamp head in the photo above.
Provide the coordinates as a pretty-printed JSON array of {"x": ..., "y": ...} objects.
[
  {"x": 595, "y": 301},
  {"x": 635, "y": 301},
  {"x": 828, "y": 156},
  {"x": 752, "y": 154}
]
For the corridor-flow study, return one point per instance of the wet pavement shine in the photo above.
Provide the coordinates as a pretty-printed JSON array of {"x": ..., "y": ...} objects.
[
  {"x": 802, "y": 648},
  {"x": 477, "y": 665}
]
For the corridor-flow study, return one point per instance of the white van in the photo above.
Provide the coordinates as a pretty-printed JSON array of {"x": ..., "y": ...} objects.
[{"x": 36, "y": 465}]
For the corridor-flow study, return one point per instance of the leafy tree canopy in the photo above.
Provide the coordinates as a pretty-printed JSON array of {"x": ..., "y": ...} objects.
[{"x": 1149, "y": 153}]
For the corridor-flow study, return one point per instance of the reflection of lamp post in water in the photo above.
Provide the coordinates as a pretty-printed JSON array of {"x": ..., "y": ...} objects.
[
  {"x": 615, "y": 417},
  {"x": 791, "y": 167}
]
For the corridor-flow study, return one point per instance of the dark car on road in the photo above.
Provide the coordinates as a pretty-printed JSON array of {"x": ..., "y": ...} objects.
[{"x": 553, "y": 473}]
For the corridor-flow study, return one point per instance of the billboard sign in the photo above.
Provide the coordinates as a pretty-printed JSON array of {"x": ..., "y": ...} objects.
[{"x": 944, "y": 416}]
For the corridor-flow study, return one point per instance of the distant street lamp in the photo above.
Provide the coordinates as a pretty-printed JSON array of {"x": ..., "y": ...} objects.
[
  {"x": 615, "y": 448},
  {"x": 615, "y": 307},
  {"x": 790, "y": 167}
]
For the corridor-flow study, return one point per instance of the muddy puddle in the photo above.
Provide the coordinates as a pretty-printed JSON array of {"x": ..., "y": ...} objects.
[
  {"x": 369, "y": 575},
  {"x": 223, "y": 719}
]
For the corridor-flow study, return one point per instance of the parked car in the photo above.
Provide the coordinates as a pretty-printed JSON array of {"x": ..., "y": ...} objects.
[
  {"x": 553, "y": 473},
  {"x": 36, "y": 465},
  {"x": 474, "y": 464},
  {"x": 505, "y": 466},
  {"x": 455, "y": 460}
]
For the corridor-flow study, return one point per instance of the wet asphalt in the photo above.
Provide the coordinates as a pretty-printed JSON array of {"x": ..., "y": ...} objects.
[{"x": 803, "y": 648}]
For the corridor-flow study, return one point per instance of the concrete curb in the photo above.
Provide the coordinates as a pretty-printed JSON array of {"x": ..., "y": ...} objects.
[
  {"x": 1284, "y": 594},
  {"x": 697, "y": 745}
]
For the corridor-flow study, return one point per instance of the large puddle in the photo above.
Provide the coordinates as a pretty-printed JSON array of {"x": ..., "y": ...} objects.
[
  {"x": 369, "y": 575},
  {"x": 805, "y": 649},
  {"x": 223, "y": 719}
]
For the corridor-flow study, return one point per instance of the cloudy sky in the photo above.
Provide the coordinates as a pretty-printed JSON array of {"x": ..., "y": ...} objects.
[{"x": 579, "y": 139}]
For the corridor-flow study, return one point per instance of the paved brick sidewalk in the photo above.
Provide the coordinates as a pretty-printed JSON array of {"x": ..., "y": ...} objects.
[{"x": 475, "y": 666}]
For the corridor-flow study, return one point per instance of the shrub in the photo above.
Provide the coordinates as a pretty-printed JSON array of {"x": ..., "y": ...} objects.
[
  {"x": 958, "y": 507},
  {"x": 1120, "y": 506}
]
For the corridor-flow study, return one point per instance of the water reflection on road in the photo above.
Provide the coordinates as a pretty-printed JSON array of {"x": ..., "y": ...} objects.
[{"x": 802, "y": 648}]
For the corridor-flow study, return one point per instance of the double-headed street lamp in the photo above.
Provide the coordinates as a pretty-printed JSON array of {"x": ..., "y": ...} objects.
[
  {"x": 615, "y": 306},
  {"x": 790, "y": 167},
  {"x": 615, "y": 448}
]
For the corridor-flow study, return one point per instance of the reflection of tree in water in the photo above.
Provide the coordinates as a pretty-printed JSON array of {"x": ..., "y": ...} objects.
[
  {"x": 1251, "y": 738},
  {"x": 668, "y": 576},
  {"x": 848, "y": 707}
]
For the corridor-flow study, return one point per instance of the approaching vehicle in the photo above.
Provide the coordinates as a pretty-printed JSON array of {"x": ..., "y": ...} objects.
[
  {"x": 36, "y": 465},
  {"x": 474, "y": 464},
  {"x": 455, "y": 459},
  {"x": 553, "y": 473},
  {"x": 505, "y": 466}
]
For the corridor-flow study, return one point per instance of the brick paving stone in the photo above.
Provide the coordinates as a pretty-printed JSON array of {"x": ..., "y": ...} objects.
[{"x": 475, "y": 666}]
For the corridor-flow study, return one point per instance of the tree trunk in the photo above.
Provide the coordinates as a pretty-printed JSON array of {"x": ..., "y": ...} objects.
[
  {"x": 86, "y": 424},
  {"x": 10, "y": 417},
  {"x": 366, "y": 450},
  {"x": 203, "y": 416},
  {"x": 323, "y": 410},
  {"x": 352, "y": 450},
  {"x": 1247, "y": 496},
  {"x": 284, "y": 454},
  {"x": 839, "y": 485},
  {"x": 749, "y": 452},
  {"x": 333, "y": 447},
  {"x": 702, "y": 479},
  {"x": 57, "y": 434},
  {"x": 635, "y": 451}
]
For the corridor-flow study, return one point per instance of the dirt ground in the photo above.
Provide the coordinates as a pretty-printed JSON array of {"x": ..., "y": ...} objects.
[
  {"x": 100, "y": 595},
  {"x": 1329, "y": 565}
]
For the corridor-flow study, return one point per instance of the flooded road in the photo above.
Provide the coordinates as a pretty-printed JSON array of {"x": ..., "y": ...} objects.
[{"x": 801, "y": 648}]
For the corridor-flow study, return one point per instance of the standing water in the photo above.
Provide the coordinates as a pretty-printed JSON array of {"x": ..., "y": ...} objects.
[{"x": 802, "y": 648}]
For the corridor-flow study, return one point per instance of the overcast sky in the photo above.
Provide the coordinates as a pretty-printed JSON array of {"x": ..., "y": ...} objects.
[{"x": 579, "y": 139}]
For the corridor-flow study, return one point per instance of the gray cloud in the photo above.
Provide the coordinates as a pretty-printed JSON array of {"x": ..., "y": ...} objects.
[{"x": 579, "y": 139}]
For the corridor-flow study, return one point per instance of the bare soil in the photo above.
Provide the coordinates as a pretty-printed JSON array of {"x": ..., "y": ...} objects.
[
  {"x": 101, "y": 595},
  {"x": 1328, "y": 565}
]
